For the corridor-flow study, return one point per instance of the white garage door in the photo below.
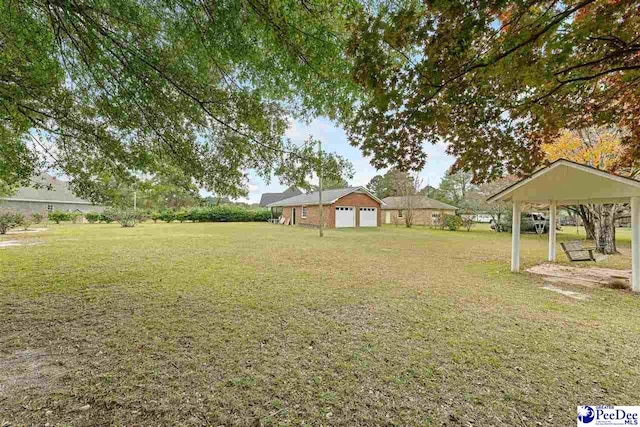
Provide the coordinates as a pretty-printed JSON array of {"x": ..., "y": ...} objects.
[
  {"x": 345, "y": 217},
  {"x": 368, "y": 217}
]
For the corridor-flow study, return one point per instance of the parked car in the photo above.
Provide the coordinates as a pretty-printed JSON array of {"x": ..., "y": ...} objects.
[
  {"x": 529, "y": 223},
  {"x": 482, "y": 218}
]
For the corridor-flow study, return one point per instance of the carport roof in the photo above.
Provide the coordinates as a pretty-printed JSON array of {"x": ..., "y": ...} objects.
[{"x": 570, "y": 183}]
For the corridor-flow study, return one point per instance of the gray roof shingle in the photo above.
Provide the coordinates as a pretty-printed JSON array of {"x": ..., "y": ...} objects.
[
  {"x": 328, "y": 196},
  {"x": 50, "y": 189},
  {"x": 268, "y": 198},
  {"x": 417, "y": 202}
]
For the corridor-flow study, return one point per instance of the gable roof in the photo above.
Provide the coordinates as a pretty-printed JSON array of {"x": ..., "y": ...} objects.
[
  {"x": 328, "y": 197},
  {"x": 417, "y": 202},
  {"x": 571, "y": 183},
  {"x": 50, "y": 189},
  {"x": 268, "y": 198}
]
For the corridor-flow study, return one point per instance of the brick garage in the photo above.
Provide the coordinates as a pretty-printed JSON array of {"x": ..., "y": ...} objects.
[{"x": 339, "y": 205}]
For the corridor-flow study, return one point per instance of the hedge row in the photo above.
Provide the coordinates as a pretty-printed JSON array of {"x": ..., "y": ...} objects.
[
  {"x": 58, "y": 216},
  {"x": 204, "y": 214},
  {"x": 214, "y": 214}
]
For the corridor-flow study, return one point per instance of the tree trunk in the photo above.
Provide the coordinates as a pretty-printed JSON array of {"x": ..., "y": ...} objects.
[
  {"x": 408, "y": 217},
  {"x": 599, "y": 224},
  {"x": 587, "y": 217},
  {"x": 605, "y": 229}
]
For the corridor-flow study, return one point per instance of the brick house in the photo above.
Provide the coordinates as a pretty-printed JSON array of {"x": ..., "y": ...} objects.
[
  {"x": 342, "y": 207},
  {"x": 426, "y": 211}
]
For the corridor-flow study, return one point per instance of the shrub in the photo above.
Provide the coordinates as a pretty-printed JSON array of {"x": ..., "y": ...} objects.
[
  {"x": 124, "y": 217},
  {"x": 106, "y": 217},
  {"x": 452, "y": 222},
  {"x": 9, "y": 220},
  {"x": 142, "y": 216},
  {"x": 37, "y": 217},
  {"x": 200, "y": 214},
  {"x": 76, "y": 217},
  {"x": 92, "y": 217},
  {"x": 155, "y": 216},
  {"x": 20, "y": 219},
  {"x": 167, "y": 216},
  {"x": 439, "y": 222},
  {"x": 23, "y": 221},
  {"x": 261, "y": 215},
  {"x": 467, "y": 222},
  {"x": 183, "y": 216},
  {"x": 59, "y": 216}
]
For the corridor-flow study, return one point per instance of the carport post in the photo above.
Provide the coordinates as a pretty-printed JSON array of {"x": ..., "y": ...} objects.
[
  {"x": 635, "y": 244},
  {"x": 553, "y": 208},
  {"x": 515, "y": 237}
]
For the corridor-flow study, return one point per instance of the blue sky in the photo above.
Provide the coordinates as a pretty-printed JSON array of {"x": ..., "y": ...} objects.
[{"x": 334, "y": 139}]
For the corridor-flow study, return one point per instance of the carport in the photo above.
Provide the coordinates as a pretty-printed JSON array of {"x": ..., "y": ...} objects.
[{"x": 564, "y": 182}]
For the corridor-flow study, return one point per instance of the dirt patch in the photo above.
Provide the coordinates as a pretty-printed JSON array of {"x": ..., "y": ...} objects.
[
  {"x": 10, "y": 243},
  {"x": 592, "y": 277},
  {"x": 30, "y": 230},
  {"x": 27, "y": 370},
  {"x": 567, "y": 293}
]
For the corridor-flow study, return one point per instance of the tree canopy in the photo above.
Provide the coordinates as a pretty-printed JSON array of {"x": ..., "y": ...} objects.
[
  {"x": 117, "y": 89},
  {"x": 330, "y": 184},
  {"x": 454, "y": 187},
  {"x": 388, "y": 184},
  {"x": 113, "y": 88},
  {"x": 601, "y": 148},
  {"x": 380, "y": 185},
  {"x": 494, "y": 79}
]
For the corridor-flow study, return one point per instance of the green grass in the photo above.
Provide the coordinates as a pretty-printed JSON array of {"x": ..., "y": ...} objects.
[{"x": 257, "y": 324}]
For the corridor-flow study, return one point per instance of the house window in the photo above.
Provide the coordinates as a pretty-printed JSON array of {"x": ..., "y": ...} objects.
[
  {"x": 435, "y": 218},
  {"x": 399, "y": 214},
  {"x": 304, "y": 212},
  {"x": 49, "y": 208}
]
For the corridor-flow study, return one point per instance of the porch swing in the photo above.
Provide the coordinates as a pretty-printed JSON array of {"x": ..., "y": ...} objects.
[{"x": 576, "y": 251}]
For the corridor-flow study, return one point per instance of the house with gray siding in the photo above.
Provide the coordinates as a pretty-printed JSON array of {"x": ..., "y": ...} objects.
[
  {"x": 47, "y": 195},
  {"x": 268, "y": 198}
]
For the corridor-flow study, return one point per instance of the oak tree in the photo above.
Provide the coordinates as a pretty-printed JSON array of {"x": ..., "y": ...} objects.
[
  {"x": 494, "y": 79},
  {"x": 113, "y": 89}
]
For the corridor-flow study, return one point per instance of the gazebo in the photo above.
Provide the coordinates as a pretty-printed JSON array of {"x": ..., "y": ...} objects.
[{"x": 564, "y": 182}]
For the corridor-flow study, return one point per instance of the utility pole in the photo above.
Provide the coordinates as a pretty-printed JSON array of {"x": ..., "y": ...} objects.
[
  {"x": 135, "y": 200},
  {"x": 320, "y": 186}
]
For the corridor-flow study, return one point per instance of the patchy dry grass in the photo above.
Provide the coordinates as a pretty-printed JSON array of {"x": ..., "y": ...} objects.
[{"x": 255, "y": 324}]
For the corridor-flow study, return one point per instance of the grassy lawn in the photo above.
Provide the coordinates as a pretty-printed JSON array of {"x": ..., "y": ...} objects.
[{"x": 257, "y": 324}]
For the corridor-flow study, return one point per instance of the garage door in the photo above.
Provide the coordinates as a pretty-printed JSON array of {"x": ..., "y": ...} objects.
[
  {"x": 345, "y": 217},
  {"x": 368, "y": 217}
]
